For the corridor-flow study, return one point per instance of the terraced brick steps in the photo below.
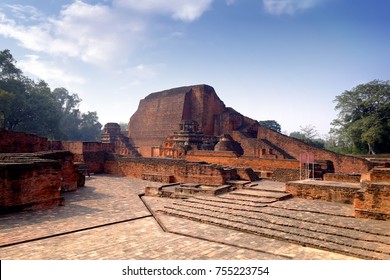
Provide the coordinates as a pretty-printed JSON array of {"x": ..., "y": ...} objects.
[
  {"x": 267, "y": 186},
  {"x": 345, "y": 235},
  {"x": 240, "y": 200},
  {"x": 253, "y": 193}
]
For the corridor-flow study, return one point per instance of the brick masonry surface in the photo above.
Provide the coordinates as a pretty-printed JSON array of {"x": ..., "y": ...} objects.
[{"x": 107, "y": 220}]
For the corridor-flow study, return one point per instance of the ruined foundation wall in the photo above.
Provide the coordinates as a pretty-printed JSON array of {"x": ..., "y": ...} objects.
[
  {"x": 36, "y": 180},
  {"x": 340, "y": 194},
  {"x": 69, "y": 172},
  {"x": 29, "y": 185},
  {"x": 90, "y": 153},
  {"x": 178, "y": 170},
  {"x": 231, "y": 159},
  {"x": 373, "y": 201},
  {"x": 341, "y": 177},
  {"x": 282, "y": 170},
  {"x": 20, "y": 142},
  {"x": 342, "y": 163},
  {"x": 377, "y": 174}
]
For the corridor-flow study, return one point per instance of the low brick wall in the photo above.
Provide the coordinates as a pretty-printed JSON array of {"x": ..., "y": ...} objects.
[
  {"x": 247, "y": 161},
  {"x": 342, "y": 163},
  {"x": 181, "y": 170},
  {"x": 340, "y": 177},
  {"x": 377, "y": 174},
  {"x": 20, "y": 142},
  {"x": 287, "y": 174},
  {"x": 91, "y": 153},
  {"x": 341, "y": 193},
  {"x": 35, "y": 180},
  {"x": 373, "y": 201},
  {"x": 27, "y": 186},
  {"x": 158, "y": 178}
]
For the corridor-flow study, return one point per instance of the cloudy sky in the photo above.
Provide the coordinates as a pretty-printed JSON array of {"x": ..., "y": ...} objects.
[{"x": 283, "y": 60}]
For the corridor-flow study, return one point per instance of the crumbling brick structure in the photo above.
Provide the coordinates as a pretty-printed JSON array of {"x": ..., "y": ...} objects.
[
  {"x": 159, "y": 115},
  {"x": 32, "y": 176},
  {"x": 169, "y": 170},
  {"x": 91, "y": 153},
  {"x": 294, "y": 147},
  {"x": 36, "y": 180},
  {"x": 19, "y": 142},
  {"x": 120, "y": 143}
]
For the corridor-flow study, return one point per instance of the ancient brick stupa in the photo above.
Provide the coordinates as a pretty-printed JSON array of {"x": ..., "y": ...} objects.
[{"x": 160, "y": 114}]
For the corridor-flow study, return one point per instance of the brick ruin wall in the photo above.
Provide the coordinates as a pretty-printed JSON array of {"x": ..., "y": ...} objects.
[
  {"x": 32, "y": 175},
  {"x": 370, "y": 193},
  {"x": 159, "y": 115},
  {"x": 337, "y": 193},
  {"x": 90, "y": 153},
  {"x": 36, "y": 180},
  {"x": 30, "y": 185},
  {"x": 377, "y": 174},
  {"x": 154, "y": 120},
  {"x": 342, "y": 163},
  {"x": 178, "y": 170},
  {"x": 341, "y": 177},
  {"x": 373, "y": 201},
  {"x": 282, "y": 170},
  {"x": 19, "y": 142}
]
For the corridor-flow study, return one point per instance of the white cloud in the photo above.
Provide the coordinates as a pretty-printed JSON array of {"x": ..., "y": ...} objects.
[
  {"x": 25, "y": 13},
  {"x": 96, "y": 34},
  {"x": 48, "y": 71},
  {"x": 185, "y": 10},
  {"x": 279, "y": 7}
]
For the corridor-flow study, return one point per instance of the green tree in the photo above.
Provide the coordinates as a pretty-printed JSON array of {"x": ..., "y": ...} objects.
[
  {"x": 8, "y": 70},
  {"x": 29, "y": 106},
  {"x": 297, "y": 135},
  {"x": 90, "y": 127},
  {"x": 309, "y": 135},
  {"x": 40, "y": 113},
  {"x": 74, "y": 124},
  {"x": 5, "y": 106},
  {"x": 124, "y": 126},
  {"x": 271, "y": 124},
  {"x": 364, "y": 117}
]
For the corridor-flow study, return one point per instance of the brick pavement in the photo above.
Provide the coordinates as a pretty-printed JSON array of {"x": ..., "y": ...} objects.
[{"x": 107, "y": 220}]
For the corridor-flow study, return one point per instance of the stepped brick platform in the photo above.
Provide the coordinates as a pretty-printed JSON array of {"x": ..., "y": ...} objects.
[
  {"x": 332, "y": 232},
  {"x": 178, "y": 190},
  {"x": 254, "y": 193},
  {"x": 107, "y": 219},
  {"x": 261, "y": 210},
  {"x": 341, "y": 192}
]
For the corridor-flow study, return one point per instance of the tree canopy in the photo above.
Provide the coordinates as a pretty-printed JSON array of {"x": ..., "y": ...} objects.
[
  {"x": 363, "y": 122},
  {"x": 271, "y": 124},
  {"x": 309, "y": 135},
  {"x": 32, "y": 107}
]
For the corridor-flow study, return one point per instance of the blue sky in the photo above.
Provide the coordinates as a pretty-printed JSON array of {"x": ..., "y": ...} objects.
[{"x": 283, "y": 60}]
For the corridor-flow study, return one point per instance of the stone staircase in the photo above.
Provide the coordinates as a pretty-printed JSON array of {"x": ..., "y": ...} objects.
[
  {"x": 253, "y": 210},
  {"x": 132, "y": 151},
  {"x": 253, "y": 191}
]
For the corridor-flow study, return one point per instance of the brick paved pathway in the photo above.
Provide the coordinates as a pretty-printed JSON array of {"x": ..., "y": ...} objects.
[{"x": 108, "y": 220}]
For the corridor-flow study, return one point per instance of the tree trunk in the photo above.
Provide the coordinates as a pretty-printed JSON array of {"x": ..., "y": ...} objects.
[{"x": 370, "y": 149}]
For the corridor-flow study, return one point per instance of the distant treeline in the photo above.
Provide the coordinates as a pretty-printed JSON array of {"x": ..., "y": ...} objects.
[{"x": 32, "y": 107}]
